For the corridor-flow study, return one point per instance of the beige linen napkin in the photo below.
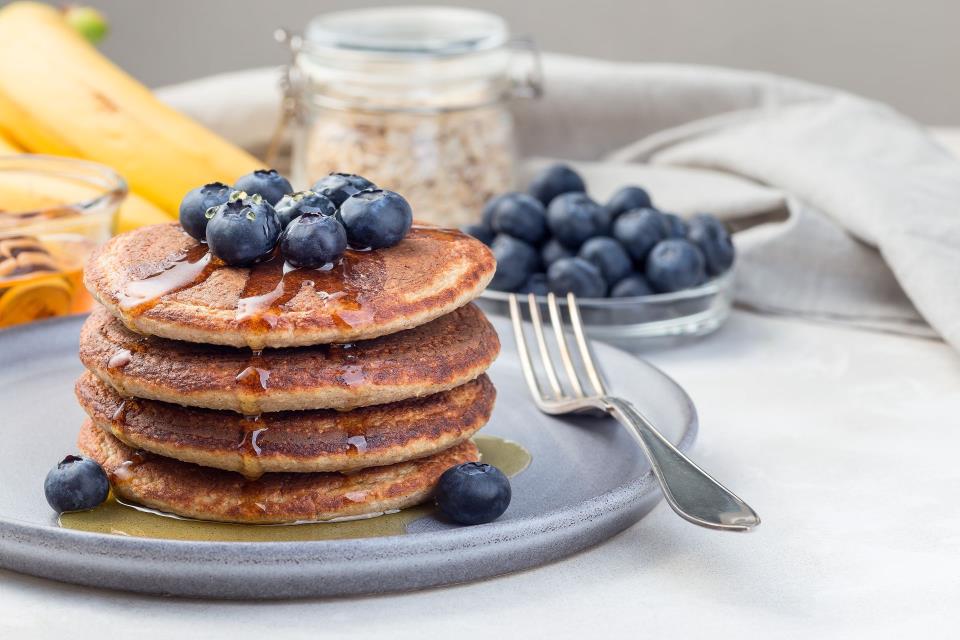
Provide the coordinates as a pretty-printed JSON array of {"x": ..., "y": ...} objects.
[{"x": 849, "y": 210}]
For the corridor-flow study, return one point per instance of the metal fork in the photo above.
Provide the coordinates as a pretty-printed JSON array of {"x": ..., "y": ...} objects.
[{"x": 692, "y": 493}]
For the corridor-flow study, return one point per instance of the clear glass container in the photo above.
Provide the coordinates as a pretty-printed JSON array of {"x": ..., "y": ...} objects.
[
  {"x": 53, "y": 213},
  {"x": 413, "y": 98},
  {"x": 642, "y": 322}
]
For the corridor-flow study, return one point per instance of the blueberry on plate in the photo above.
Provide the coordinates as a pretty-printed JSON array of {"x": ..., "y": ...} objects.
[
  {"x": 554, "y": 181},
  {"x": 243, "y": 231},
  {"x": 628, "y": 199},
  {"x": 293, "y": 204},
  {"x": 712, "y": 237},
  {"x": 638, "y": 231},
  {"x": 552, "y": 251},
  {"x": 340, "y": 186},
  {"x": 535, "y": 284},
  {"x": 631, "y": 286},
  {"x": 313, "y": 240},
  {"x": 76, "y": 484},
  {"x": 193, "y": 207},
  {"x": 267, "y": 183},
  {"x": 481, "y": 232},
  {"x": 674, "y": 225},
  {"x": 375, "y": 219},
  {"x": 574, "y": 218},
  {"x": 576, "y": 276},
  {"x": 473, "y": 493},
  {"x": 609, "y": 256},
  {"x": 521, "y": 216},
  {"x": 516, "y": 260},
  {"x": 675, "y": 264}
]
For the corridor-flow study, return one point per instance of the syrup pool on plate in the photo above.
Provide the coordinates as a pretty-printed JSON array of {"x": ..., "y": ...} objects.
[{"x": 116, "y": 518}]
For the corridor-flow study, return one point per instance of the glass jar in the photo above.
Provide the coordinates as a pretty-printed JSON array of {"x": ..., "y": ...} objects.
[
  {"x": 414, "y": 99},
  {"x": 53, "y": 212}
]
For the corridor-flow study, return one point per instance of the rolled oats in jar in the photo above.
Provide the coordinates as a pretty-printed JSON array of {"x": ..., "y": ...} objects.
[{"x": 414, "y": 99}]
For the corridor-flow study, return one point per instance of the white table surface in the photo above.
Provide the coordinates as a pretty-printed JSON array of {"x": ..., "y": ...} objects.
[{"x": 845, "y": 441}]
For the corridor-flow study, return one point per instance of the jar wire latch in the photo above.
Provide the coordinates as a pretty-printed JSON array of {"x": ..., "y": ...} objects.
[{"x": 527, "y": 82}]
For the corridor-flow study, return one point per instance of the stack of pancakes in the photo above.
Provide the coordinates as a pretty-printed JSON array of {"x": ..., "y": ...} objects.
[{"x": 272, "y": 394}]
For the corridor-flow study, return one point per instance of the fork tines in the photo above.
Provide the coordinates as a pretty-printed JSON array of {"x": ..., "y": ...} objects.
[{"x": 571, "y": 387}]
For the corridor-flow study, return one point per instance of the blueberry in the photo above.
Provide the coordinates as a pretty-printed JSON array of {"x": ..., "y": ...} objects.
[
  {"x": 628, "y": 199},
  {"x": 375, "y": 218},
  {"x": 638, "y": 231},
  {"x": 712, "y": 237},
  {"x": 535, "y": 284},
  {"x": 193, "y": 207},
  {"x": 516, "y": 260},
  {"x": 481, "y": 232},
  {"x": 553, "y": 181},
  {"x": 267, "y": 183},
  {"x": 674, "y": 225},
  {"x": 633, "y": 285},
  {"x": 552, "y": 251},
  {"x": 577, "y": 276},
  {"x": 609, "y": 256},
  {"x": 487, "y": 216},
  {"x": 473, "y": 493},
  {"x": 340, "y": 186},
  {"x": 574, "y": 218},
  {"x": 243, "y": 231},
  {"x": 293, "y": 204},
  {"x": 76, "y": 484},
  {"x": 313, "y": 240},
  {"x": 675, "y": 264},
  {"x": 520, "y": 216}
]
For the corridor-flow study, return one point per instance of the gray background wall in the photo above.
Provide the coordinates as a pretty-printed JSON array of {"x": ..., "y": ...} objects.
[{"x": 904, "y": 52}]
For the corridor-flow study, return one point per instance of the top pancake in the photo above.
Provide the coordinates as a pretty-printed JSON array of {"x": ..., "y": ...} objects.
[{"x": 160, "y": 281}]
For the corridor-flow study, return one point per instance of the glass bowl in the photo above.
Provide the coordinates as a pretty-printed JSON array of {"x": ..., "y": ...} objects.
[
  {"x": 660, "y": 319},
  {"x": 53, "y": 212}
]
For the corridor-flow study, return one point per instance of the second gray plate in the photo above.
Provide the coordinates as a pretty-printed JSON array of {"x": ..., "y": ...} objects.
[{"x": 587, "y": 481}]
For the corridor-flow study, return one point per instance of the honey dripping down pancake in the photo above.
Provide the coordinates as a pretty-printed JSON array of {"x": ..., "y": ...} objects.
[
  {"x": 160, "y": 281},
  {"x": 193, "y": 491},
  {"x": 433, "y": 357},
  {"x": 292, "y": 441}
]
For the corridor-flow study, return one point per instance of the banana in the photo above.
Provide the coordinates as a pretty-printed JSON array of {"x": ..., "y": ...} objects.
[
  {"x": 7, "y": 146},
  {"x": 59, "y": 95}
]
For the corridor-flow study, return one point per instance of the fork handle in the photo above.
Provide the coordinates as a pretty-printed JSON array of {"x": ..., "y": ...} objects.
[{"x": 689, "y": 490}]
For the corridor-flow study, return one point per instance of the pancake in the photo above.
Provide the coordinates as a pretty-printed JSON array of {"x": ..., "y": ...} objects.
[
  {"x": 293, "y": 441},
  {"x": 199, "y": 492},
  {"x": 162, "y": 282},
  {"x": 434, "y": 357}
]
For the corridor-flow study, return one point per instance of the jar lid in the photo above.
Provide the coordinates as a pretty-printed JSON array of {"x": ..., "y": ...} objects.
[{"x": 408, "y": 31}]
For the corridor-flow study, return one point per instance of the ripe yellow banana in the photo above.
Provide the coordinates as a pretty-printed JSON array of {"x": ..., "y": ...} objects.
[
  {"x": 59, "y": 95},
  {"x": 7, "y": 145}
]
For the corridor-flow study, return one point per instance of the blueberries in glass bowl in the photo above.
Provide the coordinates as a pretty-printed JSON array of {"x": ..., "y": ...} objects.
[{"x": 624, "y": 248}]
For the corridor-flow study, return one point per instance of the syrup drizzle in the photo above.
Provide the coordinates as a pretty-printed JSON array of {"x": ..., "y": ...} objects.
[
  {"x": 249, "y": 446},
  {"x": 120, "y": 359},
  {"x": 126, "y": 470},
  {"x": 191, "y": 268}
]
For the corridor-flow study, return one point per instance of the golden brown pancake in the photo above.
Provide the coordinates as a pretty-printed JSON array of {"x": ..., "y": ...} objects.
[
  {"x": 434, "y": 357},
  {"x": 162, "y": 282},
  {"x": 292, "y": 441},
  {"x": 199, "y": 492}
]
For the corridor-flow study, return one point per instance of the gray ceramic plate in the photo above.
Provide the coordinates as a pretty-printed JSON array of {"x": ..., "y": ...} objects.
[{"x": 587, "y": 481}]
